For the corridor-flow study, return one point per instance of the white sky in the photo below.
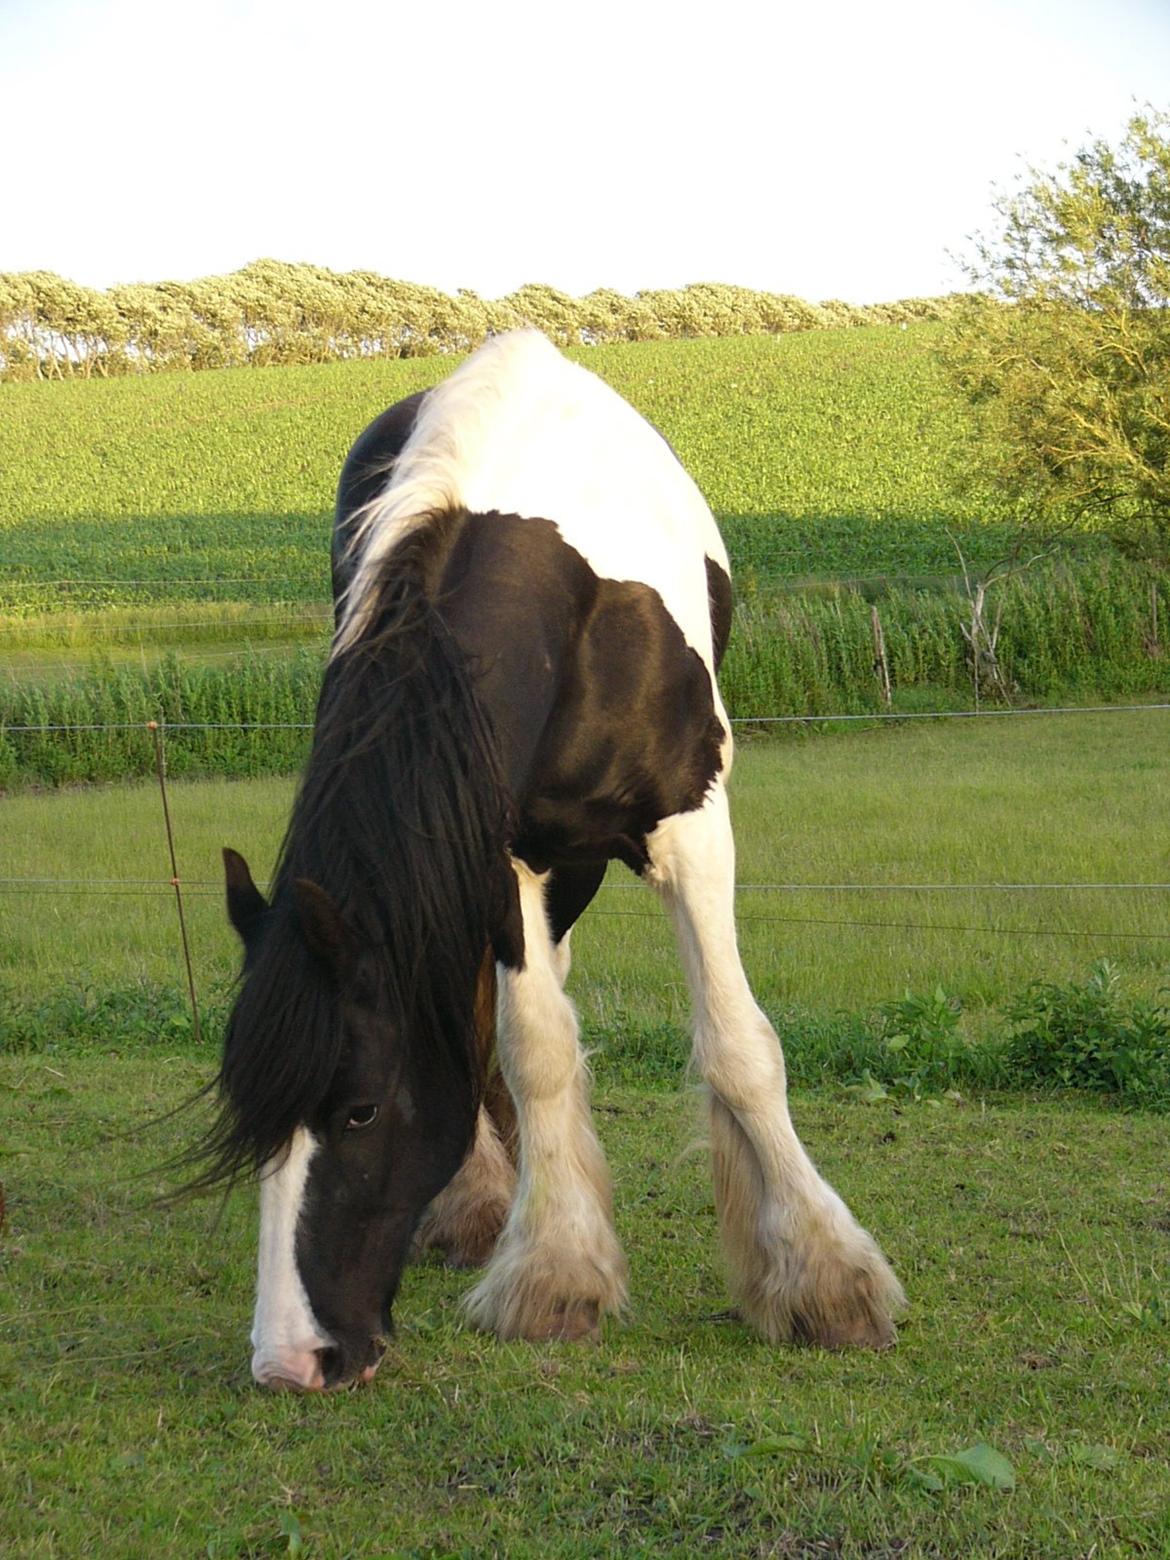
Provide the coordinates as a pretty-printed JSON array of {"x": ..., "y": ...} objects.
[{"x": 834, "y": 149}]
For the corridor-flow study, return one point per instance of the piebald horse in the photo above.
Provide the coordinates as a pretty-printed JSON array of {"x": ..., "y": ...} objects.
[{"x": 532, "y": 603}]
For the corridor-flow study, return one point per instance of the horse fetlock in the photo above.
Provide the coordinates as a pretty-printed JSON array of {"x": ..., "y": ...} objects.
[
  {"x": 833, "y": 1289},
  {"x": 540, "y": 1289}
]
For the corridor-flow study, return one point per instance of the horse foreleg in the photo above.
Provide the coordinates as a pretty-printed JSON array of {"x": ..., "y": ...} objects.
[
  {"x": 557, "y": 1266},
  {"x": 800, "y": 1265}
]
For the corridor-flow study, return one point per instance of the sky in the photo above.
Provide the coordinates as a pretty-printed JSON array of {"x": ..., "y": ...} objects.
[{"x": 838, "y": 148}]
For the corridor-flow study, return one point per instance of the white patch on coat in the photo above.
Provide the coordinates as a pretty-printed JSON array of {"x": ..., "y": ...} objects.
[
  {"x": 520, "y": 429},
  {"x": 557, "y": 1256},
  {"x": 285, "y": 1333}
]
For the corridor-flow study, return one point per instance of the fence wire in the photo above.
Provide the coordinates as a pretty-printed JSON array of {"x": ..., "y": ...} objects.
[
  {"x": 738, "y": 720},
  {"x": 204, "y": 888}
]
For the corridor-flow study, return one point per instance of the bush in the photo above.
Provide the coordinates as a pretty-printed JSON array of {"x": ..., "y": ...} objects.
[{"x": 1088, "y": 1036}]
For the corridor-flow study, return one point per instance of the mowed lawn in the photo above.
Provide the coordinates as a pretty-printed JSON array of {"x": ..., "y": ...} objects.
[
  {"x": 1032, "y": 1240},
  {"x": 1035, "y": 800}
]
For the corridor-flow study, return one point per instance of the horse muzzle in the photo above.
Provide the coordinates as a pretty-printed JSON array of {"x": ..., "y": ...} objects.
[{"x": 316, "y": 1370}]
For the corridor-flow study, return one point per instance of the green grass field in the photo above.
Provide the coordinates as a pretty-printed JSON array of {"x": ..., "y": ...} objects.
[
  {"x": 1072, "y": 799},
  {"x": 823, "y": 453},
  {"x": 1031, "y": 1239}
]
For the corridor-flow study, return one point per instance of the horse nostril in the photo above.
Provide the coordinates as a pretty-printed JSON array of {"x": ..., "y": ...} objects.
[{"x": 331, "y": 1364}]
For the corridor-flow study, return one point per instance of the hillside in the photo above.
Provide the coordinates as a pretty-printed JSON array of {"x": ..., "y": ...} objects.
[{"x": 827, "y": 453}]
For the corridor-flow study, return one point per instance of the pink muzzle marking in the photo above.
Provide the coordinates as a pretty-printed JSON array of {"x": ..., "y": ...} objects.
[
  {"x": 302, "y": 1373},
  {"x": 290, "y": 1373}
]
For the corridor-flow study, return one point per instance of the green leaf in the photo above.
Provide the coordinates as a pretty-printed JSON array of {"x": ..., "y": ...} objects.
[
  {"x": 922, "y": 1478},
  {"x": 1104, "y": 1458},
  {"x": 869, "y": 1091},
  {"x": 290, "y": 1528},
  {"x": 979, "y": 1464}
]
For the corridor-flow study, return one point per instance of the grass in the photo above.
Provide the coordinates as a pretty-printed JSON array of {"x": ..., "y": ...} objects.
[
  {"x": 1031, "y": 800},
  {"x": 822, "y": 453},
  {"x": 1031, "y": 1238}
]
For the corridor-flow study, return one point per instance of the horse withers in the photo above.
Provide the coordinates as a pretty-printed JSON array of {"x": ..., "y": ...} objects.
[{"x": 532, "y": 603}]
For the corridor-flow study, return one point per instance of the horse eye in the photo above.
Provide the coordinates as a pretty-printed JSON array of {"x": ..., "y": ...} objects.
[{"x": 361, "y": 1116}]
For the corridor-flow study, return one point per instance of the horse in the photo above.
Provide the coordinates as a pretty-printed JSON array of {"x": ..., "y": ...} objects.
[{"x": 532, "y": 602}]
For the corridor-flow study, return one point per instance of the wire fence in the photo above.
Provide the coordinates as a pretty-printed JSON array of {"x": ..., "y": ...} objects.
[{"x": 177, "y": 889}]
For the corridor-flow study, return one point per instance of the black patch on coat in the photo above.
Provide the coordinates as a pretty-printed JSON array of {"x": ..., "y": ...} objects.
[
  {"x": 604, "y": 715},
  {"x": 569, "y": 893},
  {"x": 719, "y": 601},
  {"x": 364, "y": 476}
]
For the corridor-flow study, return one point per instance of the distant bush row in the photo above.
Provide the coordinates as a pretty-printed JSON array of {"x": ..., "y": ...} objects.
[
  {"x": 1089, "y": 631},
  {"x": 271, "y": 312}
]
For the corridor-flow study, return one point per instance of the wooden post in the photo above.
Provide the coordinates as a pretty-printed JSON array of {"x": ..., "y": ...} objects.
[{"x": 880, "y": 665}]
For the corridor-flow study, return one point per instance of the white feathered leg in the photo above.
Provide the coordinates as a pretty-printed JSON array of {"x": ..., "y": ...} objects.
[
  {"x": 557, "y": 1266},
  {"x": 800, "y": 1265}
]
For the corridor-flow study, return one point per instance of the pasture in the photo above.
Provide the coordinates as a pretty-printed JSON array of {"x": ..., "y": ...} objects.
[
  {"x": 1031, "y": 1238},
  {"x": 1030, "y": 1230},
  {"x": 1033, "y": 800},
  {"x": 1031, "y": 1234}
]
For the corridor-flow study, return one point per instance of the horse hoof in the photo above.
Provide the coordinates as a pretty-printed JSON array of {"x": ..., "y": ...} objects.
[
  {"x": 860, "y": 1332},
  {"x": 570, "y": 1321}
]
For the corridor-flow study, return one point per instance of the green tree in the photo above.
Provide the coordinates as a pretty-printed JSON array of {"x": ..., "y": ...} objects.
[{"x": 1065, "y": 352}]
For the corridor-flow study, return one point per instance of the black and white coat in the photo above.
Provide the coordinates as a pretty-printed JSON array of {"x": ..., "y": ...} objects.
[{"x": 582, "y": 577}]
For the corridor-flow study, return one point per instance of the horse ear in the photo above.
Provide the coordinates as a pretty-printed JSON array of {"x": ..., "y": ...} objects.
[
  {"x": 246, "y": 905},
  {"x": 324, "y": 927}
]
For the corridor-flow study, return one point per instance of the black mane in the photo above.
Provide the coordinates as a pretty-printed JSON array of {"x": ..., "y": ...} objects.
[{"x": 403, "y": 818}]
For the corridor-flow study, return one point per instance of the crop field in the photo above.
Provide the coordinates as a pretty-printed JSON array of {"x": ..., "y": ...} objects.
[{"x": 832, "y": 453}]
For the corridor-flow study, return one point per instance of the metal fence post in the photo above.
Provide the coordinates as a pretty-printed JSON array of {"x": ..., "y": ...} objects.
[{"x": 155, "y": 729}]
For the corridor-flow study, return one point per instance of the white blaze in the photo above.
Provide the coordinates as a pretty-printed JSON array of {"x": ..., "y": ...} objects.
[{"x": 285, "y": 1333}]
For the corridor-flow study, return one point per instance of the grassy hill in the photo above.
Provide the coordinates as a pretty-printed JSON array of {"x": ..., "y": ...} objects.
[{"x": 827, "y": 453}]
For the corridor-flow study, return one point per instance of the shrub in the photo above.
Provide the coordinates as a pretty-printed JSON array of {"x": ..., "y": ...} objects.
[{"x": 1089, "y": 1036}]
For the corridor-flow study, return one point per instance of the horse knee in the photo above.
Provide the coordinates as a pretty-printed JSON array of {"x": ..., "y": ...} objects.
[{"x": 745, "y": 1069}]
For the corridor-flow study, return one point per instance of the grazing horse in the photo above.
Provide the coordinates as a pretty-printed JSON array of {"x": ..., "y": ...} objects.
[{"x": 533, "y": 600}]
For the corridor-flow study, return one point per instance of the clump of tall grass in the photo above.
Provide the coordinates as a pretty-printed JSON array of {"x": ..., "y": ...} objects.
[
  {"x": 251, "y": 719},
  {"x": 1096, "y": 629}
]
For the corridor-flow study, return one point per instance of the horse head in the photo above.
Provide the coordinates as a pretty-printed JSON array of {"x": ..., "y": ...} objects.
[{"x": 353, "y": 1135}]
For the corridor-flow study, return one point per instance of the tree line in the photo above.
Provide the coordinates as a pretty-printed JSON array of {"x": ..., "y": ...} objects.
[{"x": 272, "y": 312}]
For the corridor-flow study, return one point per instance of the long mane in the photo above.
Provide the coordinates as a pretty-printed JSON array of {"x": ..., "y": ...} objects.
[{"x": 403, "y": 818}]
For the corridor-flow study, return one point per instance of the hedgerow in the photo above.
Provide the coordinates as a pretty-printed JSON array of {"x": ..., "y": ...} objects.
[{"x": 271, "y": 312}]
